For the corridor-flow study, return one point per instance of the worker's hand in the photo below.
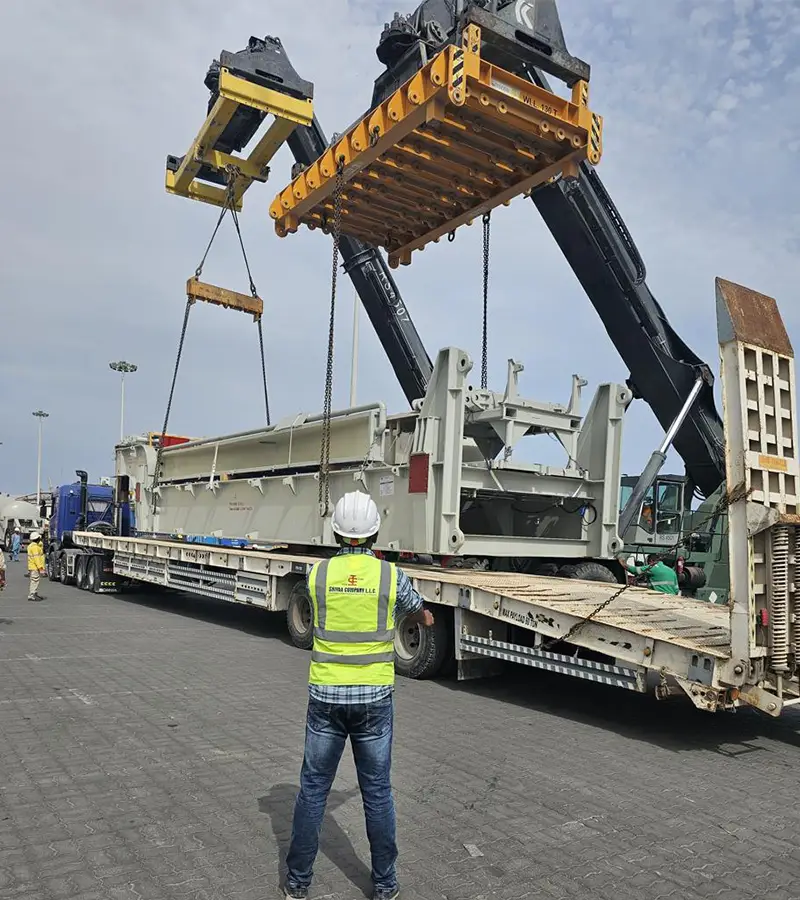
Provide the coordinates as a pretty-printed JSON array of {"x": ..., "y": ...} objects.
[{"x": 426, "y": 618}]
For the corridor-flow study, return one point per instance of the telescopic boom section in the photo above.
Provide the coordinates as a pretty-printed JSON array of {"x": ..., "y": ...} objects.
[{"x": 458, "y": 139}]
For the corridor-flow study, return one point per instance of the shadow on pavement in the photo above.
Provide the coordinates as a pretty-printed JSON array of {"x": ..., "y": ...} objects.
[
  {"x": 278, "y": 804},
  {"x": 673, "y": 724},
  {"x": 249, "y": 619}
]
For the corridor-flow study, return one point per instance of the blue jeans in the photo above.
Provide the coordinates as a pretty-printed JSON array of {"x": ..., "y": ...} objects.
[{"x": 370, "y": 728}]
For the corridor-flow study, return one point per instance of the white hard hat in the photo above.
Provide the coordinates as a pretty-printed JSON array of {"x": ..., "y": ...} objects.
[
  {"x": 356, "y": 516},
  {"x": 16, "y": 528},
  {"x": 35, "y": 535}
]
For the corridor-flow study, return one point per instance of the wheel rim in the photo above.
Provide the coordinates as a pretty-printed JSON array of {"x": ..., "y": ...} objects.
[
  {"x": 407, "y": 641},
  {"x": 301, "y": 616}
]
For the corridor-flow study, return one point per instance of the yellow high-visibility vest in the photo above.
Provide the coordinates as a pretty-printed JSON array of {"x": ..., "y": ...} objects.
[
  {"x": 353, "y": 597},
  {"x": 35, "y": 557}
]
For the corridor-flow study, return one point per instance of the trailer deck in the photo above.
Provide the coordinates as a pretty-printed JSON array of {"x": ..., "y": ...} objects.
[
  {"x": 677, "y": 638},
  {"x": 693, "y": 624}
]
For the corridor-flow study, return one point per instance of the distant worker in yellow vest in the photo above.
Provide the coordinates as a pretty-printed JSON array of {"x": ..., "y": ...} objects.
[
  {"x": 357, "y": 599},
  {"x": 35, "y": 565}
]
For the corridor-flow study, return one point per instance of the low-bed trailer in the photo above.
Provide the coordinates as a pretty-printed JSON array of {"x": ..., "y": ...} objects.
[{"x": 721, "y": 656}]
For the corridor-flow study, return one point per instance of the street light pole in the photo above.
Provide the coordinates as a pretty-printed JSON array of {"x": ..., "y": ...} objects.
[
  {"x": 41, "y": 415},
  {"x": 124, "y": 368}
]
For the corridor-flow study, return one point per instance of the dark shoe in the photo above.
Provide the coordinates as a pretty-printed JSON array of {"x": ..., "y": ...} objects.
[
  {"x": 294, "y": 893},
  {"x": 386, "y": 893},
  {"x": 39, "y": 597}
]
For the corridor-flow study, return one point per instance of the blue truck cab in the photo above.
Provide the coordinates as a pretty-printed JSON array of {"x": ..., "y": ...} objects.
[
  {"x": 79, "y": 506},
  {"x": 67, "y": 514}
]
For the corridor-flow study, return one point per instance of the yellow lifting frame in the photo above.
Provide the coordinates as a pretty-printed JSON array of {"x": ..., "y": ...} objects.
[
  {"x": 217, "y": 296},
  {"x": 289, "y": 112},
  {"x": 456, "y": 140}
]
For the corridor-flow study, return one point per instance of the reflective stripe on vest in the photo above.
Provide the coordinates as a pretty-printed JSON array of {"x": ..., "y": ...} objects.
[
  {"x": 351, "y": 594},
  {"x": 382, "y": 635}
]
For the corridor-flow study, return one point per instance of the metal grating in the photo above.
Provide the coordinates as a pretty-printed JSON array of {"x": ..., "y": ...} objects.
[{"x": 589, "y": 670}]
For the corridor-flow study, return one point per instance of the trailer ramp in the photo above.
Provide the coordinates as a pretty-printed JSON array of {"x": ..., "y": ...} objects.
[
  {"x": 643, "y": 639},
  {"x": 693, "y": 624}
]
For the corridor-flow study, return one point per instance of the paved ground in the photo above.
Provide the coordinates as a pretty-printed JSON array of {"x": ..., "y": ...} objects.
[{"x": 149, "y": 748}]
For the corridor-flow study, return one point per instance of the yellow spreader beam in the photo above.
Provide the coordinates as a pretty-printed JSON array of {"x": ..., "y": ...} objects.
[
  {"x": 458, "y": 139},
  {"x": 217, "y": 296},
  {"x": 235, "y": 92}
]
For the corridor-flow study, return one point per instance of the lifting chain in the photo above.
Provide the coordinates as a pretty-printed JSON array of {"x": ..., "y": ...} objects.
[
  {"x": 325, "y": 449},
  {"x": 187, "y": 310},
  {"x": 232, "y": 173},
  {"x": 730, "y": 497},
  {"x": 487, "y": 233}
]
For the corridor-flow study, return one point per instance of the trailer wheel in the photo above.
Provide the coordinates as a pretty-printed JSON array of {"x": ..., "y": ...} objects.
[
  {"x": 421, "y": 652},
  {"x": 63, "y": 575},
  {"x": 80, "y": 572},
  {"x": 300, "y": 617},
  {"x": 92, "y": 574},
  {"x": 592, "y": 571}
]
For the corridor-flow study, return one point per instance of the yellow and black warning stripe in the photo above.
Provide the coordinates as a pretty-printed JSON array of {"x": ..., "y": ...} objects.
[
  {"x": 458, "y": 68},
  {"x": 594, "y": 136}
]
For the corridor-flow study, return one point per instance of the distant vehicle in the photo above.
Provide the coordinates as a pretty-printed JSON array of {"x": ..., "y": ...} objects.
[
  {"x": 79, "y": 506},
  {"x": 18, "y": 514}
]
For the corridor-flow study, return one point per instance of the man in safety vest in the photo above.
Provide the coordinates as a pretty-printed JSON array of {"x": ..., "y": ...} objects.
[
  {"x": 357, "y": 600},
  {"x": 660, "y": 577},
  {"x": 35, "y": 565}
]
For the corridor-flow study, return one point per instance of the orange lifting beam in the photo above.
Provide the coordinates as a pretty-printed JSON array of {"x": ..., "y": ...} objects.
[
  {"x": 456, "y": 140},
  {"x": 217, "y": 296}
]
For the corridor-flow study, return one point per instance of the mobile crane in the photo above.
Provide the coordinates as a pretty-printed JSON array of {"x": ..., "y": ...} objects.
[
  {"x": 719, "y": 656},
  {"x": 527, "y": 41}
]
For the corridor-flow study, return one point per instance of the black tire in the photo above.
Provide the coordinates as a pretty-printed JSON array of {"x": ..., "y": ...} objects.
[
  {"x": 299, "y": 617},
  {"x": 592, "y": 571},
  {"x": 421, "y": 652},
  {"x": 80, "y": 572},
  {"x": 93, "y": 574},
  {"x": 63, "y": 577},
  {"x": 51, "y": 567}
]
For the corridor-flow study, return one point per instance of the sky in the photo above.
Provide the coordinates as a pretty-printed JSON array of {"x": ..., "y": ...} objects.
[{"x": 702, "y": 137}]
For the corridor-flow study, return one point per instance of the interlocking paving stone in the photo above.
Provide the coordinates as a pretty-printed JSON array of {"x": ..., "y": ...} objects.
[{"x": 150, "y": 746}]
